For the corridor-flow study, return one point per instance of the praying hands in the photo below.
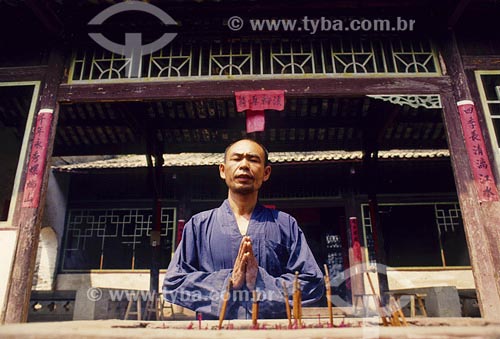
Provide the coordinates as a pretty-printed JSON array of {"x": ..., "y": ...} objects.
[{"x": 245, "y": 267}]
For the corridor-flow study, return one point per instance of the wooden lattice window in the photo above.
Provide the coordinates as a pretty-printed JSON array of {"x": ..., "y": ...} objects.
[{"x": 115, "y": 238}]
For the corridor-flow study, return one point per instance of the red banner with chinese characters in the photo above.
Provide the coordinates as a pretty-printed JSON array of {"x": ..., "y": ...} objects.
[
  {"x": 37, "y": 161},
  {"x": 255, "y": 102},
  {"x": 180, "y": 228},
  {"x": 355, "y": 244},
  {"x": 476, "y": 151}
]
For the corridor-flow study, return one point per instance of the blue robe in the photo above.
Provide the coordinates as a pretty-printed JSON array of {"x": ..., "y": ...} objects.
[{"x": 202, "y": 265}]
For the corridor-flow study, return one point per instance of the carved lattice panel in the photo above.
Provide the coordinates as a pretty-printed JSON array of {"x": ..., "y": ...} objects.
[
  {"x": 278, "y": 58},
  {"x": 114, "y": 238}
]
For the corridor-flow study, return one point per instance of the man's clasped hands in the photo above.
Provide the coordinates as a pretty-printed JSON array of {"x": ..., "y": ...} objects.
[{"x": 245, "y": 267}]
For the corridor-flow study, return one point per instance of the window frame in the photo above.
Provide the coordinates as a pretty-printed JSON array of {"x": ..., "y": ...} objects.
[
  {"x": 364, "y": 226},
  {"x": 493, "y": 140},
  {"x": 111, "y": 207},
  {"x": 23, "y": 154}
]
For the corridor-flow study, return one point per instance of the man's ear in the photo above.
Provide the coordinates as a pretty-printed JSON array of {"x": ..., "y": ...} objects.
[
  {"x": 267, "y": 173},
  {"x": 222, "y": 173}
]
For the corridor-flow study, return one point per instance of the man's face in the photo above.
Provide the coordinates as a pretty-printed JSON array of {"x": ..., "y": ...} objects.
[{"x": 244, "y": 170}]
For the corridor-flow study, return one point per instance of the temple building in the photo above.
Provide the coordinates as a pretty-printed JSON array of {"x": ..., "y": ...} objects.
[{"x": 115, "y": 115}]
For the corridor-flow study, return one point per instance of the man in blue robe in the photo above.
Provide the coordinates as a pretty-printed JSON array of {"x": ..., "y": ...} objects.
[{"x": 254, "y": 247}]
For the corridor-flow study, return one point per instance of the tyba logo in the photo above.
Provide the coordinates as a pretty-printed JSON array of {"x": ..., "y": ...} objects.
[{"x": 133, "y": 49}]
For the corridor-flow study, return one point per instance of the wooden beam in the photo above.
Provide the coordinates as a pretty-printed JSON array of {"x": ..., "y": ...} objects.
[
  {"x": 29, "y": 218},
  {"x": 12, "y": 74},
  {"x": 457, "y": 12},
  {"x": 481, "y": 62},
  {"x": 69, "y": 93},
  {"x": 272, "y": 121},
  {"x": 480, "y": 219}
]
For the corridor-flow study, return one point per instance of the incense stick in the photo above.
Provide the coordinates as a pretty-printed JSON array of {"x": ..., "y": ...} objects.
[
  {"x": 255, "y": 308},
  {"x": 224, "y": 303},
  {"x": 297, "y": 301},
  {"x": 328, "y": 295},
  {"x": 287, "y": 305}
]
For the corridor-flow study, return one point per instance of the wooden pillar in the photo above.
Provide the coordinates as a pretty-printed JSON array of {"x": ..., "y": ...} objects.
[
  {"x": 30, "y": 215},
  {"x": 481, "y": 219},
  {"x": 155, "y": 144},
  {"x": 371, "y": 175},
  {"x": 380, "y": 116}
]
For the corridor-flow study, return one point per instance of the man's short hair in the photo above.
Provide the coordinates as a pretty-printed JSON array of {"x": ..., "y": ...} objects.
[{"x": 266, "y": 152}]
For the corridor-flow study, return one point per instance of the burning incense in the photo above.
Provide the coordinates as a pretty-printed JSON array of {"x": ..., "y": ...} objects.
[
  {"x": 297, "y": 301},
  {"x": 287, "y": 305},
  {"x": 255, "y": 308},
  {"x": 328, "y": 295},
  {"x": 224, "y": 303}
]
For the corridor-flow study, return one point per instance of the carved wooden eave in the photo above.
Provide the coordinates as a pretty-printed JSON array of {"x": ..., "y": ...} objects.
[{"x": 415, "y": 101}]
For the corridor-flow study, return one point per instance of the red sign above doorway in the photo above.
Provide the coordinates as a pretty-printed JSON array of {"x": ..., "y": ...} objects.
[{"x": 255, "y": 102}]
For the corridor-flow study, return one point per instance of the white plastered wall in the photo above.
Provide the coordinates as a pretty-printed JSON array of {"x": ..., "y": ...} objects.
[{"x": 8, "y": 239}]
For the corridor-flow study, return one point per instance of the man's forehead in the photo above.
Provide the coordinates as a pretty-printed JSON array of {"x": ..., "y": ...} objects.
[{"x": 246, "y": 146}]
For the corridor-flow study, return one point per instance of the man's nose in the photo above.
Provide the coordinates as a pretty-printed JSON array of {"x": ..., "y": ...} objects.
[{"x": 244, "y": 163}]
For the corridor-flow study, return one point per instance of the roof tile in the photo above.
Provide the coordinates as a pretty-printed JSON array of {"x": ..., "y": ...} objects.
[{"x": 211, "y": 159}]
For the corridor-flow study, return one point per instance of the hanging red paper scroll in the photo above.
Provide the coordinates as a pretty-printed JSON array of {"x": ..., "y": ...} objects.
[
  {"x": 180, "y": 228},
  {"x": 38, "y": 156},
  {"x": 255, "y": 102},
  {"x": 355, "y": 260},
  {"x": 476, "y": 151},
  {"x": 356, "y": 246}
]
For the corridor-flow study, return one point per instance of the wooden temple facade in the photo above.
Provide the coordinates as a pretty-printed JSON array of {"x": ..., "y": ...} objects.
[{"x": 396, "y": 128}]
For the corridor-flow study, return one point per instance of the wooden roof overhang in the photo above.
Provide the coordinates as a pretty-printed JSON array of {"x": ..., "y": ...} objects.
[
  {"x": 208, "y": 125},
  {"x": 135, "y": 161},
  {"x": 308, "y": 123},
  {"x": 199, "y": 116}
]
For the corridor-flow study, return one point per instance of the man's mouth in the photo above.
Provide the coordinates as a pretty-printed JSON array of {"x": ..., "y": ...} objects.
[{"x": 244, "y": 177}]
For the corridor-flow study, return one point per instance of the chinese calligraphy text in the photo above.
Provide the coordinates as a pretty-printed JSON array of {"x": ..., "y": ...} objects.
[
  {"x": 478, "y": 158},
  {"x": 255, "y": 102},
  {"x": 37, "y": 161}
]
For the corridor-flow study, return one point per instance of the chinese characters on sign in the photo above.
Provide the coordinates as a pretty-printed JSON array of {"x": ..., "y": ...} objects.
[
  {"x": 355, "y": 242},
  {"x": 38, "y": 154},
  {"x": 478, "y": 157},
  {"x": 255, "y": 102}
]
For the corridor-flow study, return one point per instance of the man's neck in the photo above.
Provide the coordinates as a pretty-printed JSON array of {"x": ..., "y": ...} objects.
[{"x": 242, "y": 205}]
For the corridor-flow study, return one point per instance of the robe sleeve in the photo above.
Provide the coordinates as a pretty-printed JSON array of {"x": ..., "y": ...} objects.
[
  {"x": 185, "y": 285},
  {"x": 310, "y": 277}
]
